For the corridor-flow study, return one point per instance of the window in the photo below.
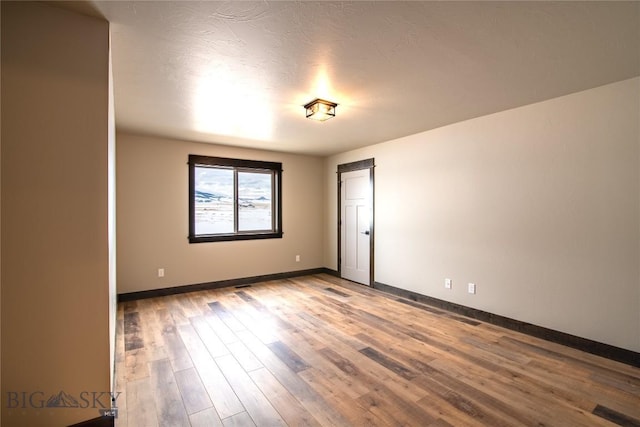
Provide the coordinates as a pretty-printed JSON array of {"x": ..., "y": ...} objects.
[{"x": 233, "y": 199}]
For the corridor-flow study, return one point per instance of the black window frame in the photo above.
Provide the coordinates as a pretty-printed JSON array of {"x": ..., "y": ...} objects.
[{"x": 238, "y": 165}]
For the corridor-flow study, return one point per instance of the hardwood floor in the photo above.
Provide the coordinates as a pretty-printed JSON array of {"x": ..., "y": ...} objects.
[{"x": 320, "y": 351}]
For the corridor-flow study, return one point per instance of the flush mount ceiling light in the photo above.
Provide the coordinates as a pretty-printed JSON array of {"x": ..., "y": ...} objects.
[{"x": 320, "y": 110}]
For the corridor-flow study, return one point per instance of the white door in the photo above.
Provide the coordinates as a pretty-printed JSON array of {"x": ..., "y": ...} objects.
[{"x": 355, "y": 229}]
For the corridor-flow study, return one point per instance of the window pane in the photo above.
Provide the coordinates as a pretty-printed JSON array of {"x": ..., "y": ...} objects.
[
  {"x": 213, "y": 201},
  {"x": 254, "y": 201},
  {"x": 234, "y": 199}
]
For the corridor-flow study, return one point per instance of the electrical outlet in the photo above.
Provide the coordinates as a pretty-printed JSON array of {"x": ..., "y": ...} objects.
[
  {"x": 297, "y": 258},
  {"x": 161, "y": 272},
  {"x": 472, "y": 288},
  {"x": 448, "y": 283}
]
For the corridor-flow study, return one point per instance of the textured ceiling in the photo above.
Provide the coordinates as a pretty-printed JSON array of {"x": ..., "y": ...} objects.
[{"x": 238, "y": 73}]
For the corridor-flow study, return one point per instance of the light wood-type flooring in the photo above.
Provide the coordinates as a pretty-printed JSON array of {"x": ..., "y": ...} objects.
[{"x": 320, "y": 351}]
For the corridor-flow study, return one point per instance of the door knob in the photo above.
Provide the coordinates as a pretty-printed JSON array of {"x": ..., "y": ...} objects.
[{"x": 365, "y": 232}]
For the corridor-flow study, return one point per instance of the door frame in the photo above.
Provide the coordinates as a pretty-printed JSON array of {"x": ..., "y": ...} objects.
[{"x": 350, "y": 167}]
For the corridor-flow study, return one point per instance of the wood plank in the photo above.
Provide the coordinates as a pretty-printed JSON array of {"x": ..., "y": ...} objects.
[
  {"x": 169, "y": 406},
  {"x": 446, "y": 391},
  {"x": 372, "y": 374},
  {"x": 132, "y": 331},
  {"x": 606, "y": 375},
  {"x": 318, "y": 350},
  {"x": 393, "y": 409},
  {"x": 210, "y": 339},
  {"x": 207, "y": 418},
  {"x": 526, "y": 404},
  {"x": 120, "y": 369},
  {"x": 220, "y": 392},
  {"x": 192, "y": 390},
  {"x": 135, "y": 364},
  {"x": 309, "y": 348},
  {"x": 351, "y": 408},
  {"x": 153, "y": 340},
  {"x": 141, "y": 407},
  {"x": 616, "y": 417},
  {"x": 288, "y": 356},
  {"x": 223, "y": 332},
  {"x": 178, "y": 315},
  {"x": 240, "y": 420},
  {"x": 188, "y": 304},
  {"x": 324, "y": 413},
  {"x": 254, "y": 401},
  {"x": 392, "y": 365},
  {"x": 121, "y": 404},
  {"x": 289, "y": 408},
  {"x": 254, "y": 316},
  {"x": 226, "y": 316},
  {"x": 242, "y": 354},
  {"x": 178, "y": 354},
  {"x": 468, "y": 399}
]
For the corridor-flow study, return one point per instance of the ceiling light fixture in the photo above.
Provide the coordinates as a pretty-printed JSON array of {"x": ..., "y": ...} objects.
[{"x": 320, "y": 110}]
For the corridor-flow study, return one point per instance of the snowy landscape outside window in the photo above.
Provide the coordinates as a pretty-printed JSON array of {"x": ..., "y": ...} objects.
[{"x": 234, "y": 199}]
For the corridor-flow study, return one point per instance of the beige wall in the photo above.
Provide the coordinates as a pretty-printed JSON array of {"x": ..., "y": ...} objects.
[
  {"x": 152, "y": 216},
  {"x": 538, "y": 206},
  {"x": 55, "y": 249}
]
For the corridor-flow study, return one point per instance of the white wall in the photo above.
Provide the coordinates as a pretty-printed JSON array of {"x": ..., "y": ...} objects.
[
  {"x": 111, "y": 223},
  {"x": 539, "y": 206},
  {"x": 55, "y": 243},
  {"x": 153, "y": 222},
  {"x": 0, "y": 231}
]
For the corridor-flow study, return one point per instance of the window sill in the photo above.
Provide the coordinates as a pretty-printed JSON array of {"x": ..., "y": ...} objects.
[{"x": 232, "y": 237}]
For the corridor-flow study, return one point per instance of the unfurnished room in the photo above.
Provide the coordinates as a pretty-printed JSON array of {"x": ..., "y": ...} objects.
[{"x": 318, "y": 213}]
